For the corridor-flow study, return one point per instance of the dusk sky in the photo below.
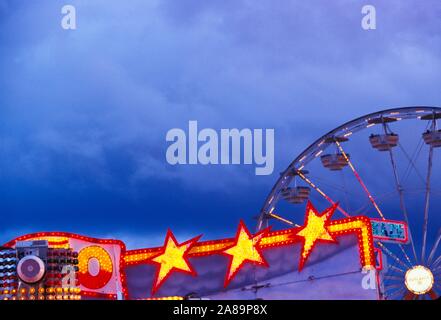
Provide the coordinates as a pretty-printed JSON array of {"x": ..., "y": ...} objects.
[{"x": 84, "y": 113}]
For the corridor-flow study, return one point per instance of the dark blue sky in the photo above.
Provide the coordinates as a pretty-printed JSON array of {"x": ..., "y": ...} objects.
[{"x": 84, "y": 113}]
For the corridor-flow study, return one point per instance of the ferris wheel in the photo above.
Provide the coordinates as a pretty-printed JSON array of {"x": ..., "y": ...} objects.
[{"x": 384, "y": 166}]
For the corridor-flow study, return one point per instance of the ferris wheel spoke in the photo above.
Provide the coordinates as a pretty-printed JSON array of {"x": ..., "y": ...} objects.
[
  {"x": 389, "y": 287},
  {"x": 437, "y": 274},
  {"x": 345, "y": 191},
  {"x": 396, "y": 269},
  {"x": 414, "y": 157},
  {"x": 281, "y": 219},
  {"x": 412, "y": 161},
  {"x": 371, "y": 198},
  {"x": 400, "y": 190},
  {"x": 324, "y": 195},
  {"x": 331, "y": 185},
  {"x": 397, "y": 293},
  {"x": 405, "y": 255},
  {"x": 437, "y": 264},
  {"x": 392, "y": 255},
  {"x": 435, "y": 247},
  {"x": 394, "y": 286},
  {"x": 393, "y": 278},
  {"x": 426, "y": 205},
  {"x": 365, "y": 207}
]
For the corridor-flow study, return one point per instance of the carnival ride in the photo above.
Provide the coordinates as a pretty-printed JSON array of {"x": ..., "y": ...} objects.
[{"x": 332, "y": 169}]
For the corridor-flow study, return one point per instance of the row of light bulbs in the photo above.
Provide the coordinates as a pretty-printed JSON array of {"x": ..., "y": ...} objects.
[{"x": 42, "y": 297}]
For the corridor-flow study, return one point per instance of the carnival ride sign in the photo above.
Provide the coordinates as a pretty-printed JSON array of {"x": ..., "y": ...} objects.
[
  {"x": 389, "y": 230},
  {"x": 107, "y": 270},
  {"x": 100, "y": 262}
]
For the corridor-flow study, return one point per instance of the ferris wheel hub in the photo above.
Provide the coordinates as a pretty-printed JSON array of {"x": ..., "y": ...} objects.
[{"x": 419, "y": 280}]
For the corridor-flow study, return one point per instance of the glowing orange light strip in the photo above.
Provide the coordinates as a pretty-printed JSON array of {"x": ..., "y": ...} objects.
[
  {"x": 57, "y": 236},
  {"x": 163, "y": 298},
  {"x": 361, "y": 226}
]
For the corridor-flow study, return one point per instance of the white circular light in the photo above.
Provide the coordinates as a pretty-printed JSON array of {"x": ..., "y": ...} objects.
[
  {"x": 31, "y": 269},
  {"x": 419, "y": 280}
]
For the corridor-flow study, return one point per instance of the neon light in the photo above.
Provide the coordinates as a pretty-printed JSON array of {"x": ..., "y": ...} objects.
[
  {"x": 105, "y": 267},
  {"x": 275, "y": 216},
  {"x": 361, "y": 226},
  {"x": 56, "y": 236},
  {"x": 172, "y": 258},
  {"x": 245, "y": 249},
  {"x": 390, "y": 230},
  {"x": 99, "y": 295},
  {"x": 378, "y": 259},
  {"x": 164, "y": 298},
  {"x": 315, "y": 229},
  {"x": 56, "y": 242},
  {"x": 51, "y": 235}
]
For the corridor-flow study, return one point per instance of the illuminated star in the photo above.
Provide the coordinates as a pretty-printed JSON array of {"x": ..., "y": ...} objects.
[
  {"x": 315, "y": 229},
  {"x": 172, "y": 258},
  {"x": 245, "y": 249}
]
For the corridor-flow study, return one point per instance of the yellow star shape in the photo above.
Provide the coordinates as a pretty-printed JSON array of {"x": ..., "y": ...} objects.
[
  {"x": 315, "y": 229},
  {"x": 173, "y": 258},
  {"x": 244, "y": 250}
]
